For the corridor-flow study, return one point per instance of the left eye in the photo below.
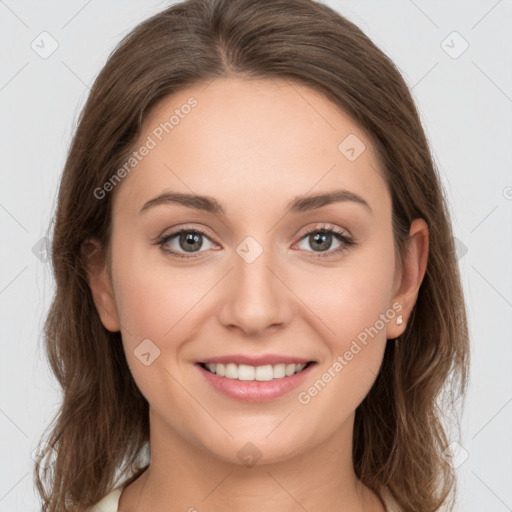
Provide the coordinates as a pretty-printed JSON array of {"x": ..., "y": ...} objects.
[{"x": 320, "y": 240}]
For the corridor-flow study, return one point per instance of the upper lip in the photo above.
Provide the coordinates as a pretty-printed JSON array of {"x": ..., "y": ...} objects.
[{"x": 262, "y": 360}]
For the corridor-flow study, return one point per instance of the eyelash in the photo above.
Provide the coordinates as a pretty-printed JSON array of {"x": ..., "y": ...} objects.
[{"x": 347, "y": 242}]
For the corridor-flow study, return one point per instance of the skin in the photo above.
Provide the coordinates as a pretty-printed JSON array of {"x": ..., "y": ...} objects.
[{"x": 254, "y": 146}]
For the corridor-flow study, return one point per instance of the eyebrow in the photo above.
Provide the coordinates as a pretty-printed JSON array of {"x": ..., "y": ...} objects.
[{"x": 296, "y": 205}]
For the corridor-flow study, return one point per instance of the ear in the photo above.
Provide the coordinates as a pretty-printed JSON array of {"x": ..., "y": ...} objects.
[
  {"x": 408, "y": 283},
  {"x": 100, "y": 284}
]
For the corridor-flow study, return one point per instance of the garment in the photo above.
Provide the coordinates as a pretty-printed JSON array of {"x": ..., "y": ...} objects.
[{"x": 110, "y": 502}]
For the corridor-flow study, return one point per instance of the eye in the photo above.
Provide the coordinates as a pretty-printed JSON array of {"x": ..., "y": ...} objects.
[
  {"x": 187, "y": 242},
  {"x": 183, "y": 241},
  {"x": 320, "y": 240}
]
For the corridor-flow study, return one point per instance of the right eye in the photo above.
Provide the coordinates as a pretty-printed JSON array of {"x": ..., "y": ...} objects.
[{"x": 183, "y": 241}]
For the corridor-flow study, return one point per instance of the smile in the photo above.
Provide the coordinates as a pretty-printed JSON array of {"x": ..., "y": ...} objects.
[
  {"x": 246, "y": 372},
  {"x": 260, "y": 381}
]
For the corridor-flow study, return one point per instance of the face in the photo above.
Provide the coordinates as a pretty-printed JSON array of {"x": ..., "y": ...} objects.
[{"x": 268, "y": 276}]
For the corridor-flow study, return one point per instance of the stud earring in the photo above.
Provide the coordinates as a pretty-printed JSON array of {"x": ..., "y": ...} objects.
[{"x": 399, "y": 319}]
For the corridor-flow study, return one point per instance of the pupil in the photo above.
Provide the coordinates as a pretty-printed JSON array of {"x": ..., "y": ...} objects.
[
  {"x": 190, "y": 241},
  {"x": 323, "y": 239}
]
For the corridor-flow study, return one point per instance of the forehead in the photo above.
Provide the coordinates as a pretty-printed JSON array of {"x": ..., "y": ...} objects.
[{"x": 268, "y": 140}]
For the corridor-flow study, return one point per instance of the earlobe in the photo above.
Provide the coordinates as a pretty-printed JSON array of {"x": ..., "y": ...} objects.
[
  {"x": 413, "y": 272},
  {"x": 100, "y": 284}
]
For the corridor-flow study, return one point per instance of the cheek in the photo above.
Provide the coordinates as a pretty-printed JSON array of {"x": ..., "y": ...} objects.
[
  {"x": 159, "y": 302},
  {"x": 352, "y": 308},
  {"x": 152, "y": 297},
  {"x": 349, "y": 299},
  {"x": 149, "y": 303}
]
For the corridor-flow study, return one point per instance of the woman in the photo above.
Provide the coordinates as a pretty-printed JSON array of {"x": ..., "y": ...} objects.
[{"x": 256, "y": 277}]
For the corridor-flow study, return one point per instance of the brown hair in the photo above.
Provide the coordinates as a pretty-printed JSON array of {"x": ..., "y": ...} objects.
[{"x": 103, "y": 423}]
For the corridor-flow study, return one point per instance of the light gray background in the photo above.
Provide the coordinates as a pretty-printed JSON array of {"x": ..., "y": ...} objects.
[{"x": 465, "y": 104}]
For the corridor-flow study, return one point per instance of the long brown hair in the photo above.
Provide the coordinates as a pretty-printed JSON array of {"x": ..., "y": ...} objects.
[{"x": 103, "y": 424}]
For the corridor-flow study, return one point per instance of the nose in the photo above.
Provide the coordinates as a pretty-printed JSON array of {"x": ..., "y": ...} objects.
[{"x": 255, "y": 298}]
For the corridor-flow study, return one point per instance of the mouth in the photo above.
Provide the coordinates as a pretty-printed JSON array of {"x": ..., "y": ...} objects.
[
  {"x": 255, "y": 378},
  {"x": 261, "y": 373}
]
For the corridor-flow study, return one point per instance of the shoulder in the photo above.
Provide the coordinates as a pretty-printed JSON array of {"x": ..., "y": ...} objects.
[
  {"x": 109, "y": 503},
  {"x": 391, "y": 504}
]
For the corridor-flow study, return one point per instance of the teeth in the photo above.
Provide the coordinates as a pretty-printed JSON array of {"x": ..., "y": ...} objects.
[
  {"x": 246, "y": 372},
  {"x": 260, "y": 373},
  {"x": 290, "y": 369}
]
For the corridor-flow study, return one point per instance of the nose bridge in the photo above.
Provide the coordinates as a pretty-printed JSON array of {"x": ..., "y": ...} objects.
[{"x": 255, "y": 298}]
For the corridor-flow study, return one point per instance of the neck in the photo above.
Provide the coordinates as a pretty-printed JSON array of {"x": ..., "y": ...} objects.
[{"x": 184, "y": 477}]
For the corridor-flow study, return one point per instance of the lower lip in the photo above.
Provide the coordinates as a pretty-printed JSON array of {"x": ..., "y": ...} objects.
[{"x": 254, "y": 390}]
